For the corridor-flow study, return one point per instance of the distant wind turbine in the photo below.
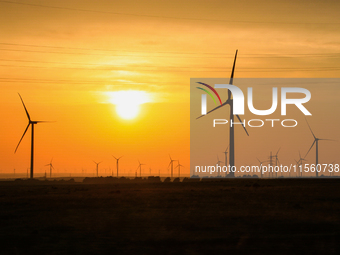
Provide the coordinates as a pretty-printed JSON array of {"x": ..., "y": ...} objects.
[
  {"x": 299, "y": 162},
  {"x": 140, "y": 168},
  {"x": 218, "y": 163},
  {"x": 172, "y": 165},
  {"x": 229, "y": 102},
  {"x": 226, "y": 159},
  {"x": 117, "y": 160},
  {"x": 276, "y": 160},
  {"x": 261, "y": 162},
  {"x": 30, "y": 122},
  {"x": 97, "y": 163},
  {"x": 51, "y": 167},
  {"x": 316, "y": 142},
  {"x": 179, "y": 168}
]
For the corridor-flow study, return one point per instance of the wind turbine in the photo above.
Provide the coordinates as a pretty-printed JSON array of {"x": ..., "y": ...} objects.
[
  {"x": 218, "y": 164},
  {"x": 172, "y": 165},
  {"x": 226, "y": 160},
  {"x": 299, "y": 162},
  {"x": 226, "y": 156},
  {"x": 276, "y": 160},
  {"x": 261, "y": 162},
  {"x": 30, "y": 122},
  {"x": 140, "y": 169},
  {"x": 229, "y": 102},
  {"x": 316, "y": 142},
  {"x": 97, "y": 163},
  {"x": 117, "y": 159},
  {"x": 51, "y": 167},
  {"x": 179, "y": 168}
]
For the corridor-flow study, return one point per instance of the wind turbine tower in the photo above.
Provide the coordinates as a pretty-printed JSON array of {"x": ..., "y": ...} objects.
[
  {"x": 179, "y": 169},
  {"x": 140, "y": 169},
  {"x": 30, "y": 123},
  {"x": 97, "y": 163},
  {"x": 51, "y": 167},
  {"x": 117, "y": 160},
  {"x": 316, "y": 142},
  {"x": 229, "y": 102},
  {"x": 172, "y": 165}
]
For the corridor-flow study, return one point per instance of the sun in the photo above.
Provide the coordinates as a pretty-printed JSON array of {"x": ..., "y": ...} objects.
[
  {"x": 128, "y": 111},
  {"x": 128, "y": 102}
]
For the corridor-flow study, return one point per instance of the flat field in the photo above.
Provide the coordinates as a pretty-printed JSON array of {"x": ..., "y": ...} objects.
[{"x": 238, "y": 216}]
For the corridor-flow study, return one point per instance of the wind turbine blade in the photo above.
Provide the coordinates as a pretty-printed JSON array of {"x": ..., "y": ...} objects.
[
  {"x": 299, "y": 154},
  {"x": 233, "y": 70},
  {"x": 114, "y": 157},
  {"x": 170, "y": 157},
  {"x": 259, "y": 160},
  {"x": 310, "y": 148},
  {"x": 213, "y": 110},
  {"x": 120, "y": 157},
  {"x": 242, "y": 124},
  {"x": 28, "y": 115},
  {"x": 278, "y": 151},
  {"x": 43, "y": 121},
  {"x": 310, "y": 129},
  {"x": 22, "y": 137},
  {"x": 226, "y": 150},
  {"x": 329, "y": 140}
]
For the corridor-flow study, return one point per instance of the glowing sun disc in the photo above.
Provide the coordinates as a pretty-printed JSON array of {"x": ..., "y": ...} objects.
[{"x": 128, "y": 102}]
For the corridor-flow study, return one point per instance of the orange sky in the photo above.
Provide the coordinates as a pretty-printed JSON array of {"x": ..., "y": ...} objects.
[{"x": 62, "y": 56}]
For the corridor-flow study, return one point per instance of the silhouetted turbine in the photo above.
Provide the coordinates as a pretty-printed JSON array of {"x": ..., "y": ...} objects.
[
  {"x": 179, "y": 168},
  {"x": 226, "y": 158},
  {"x": 299, "y": 162},
  {"x": 172, "y": 165},
  {"x": 276, "y": 160},
  {"x": 117, "y": 159},
  {"x": 316, "y": 142},
  {"x": 30, "y": 122},
  {"x": 261, "y": 162},
  {"x": 140, "y": 168},
  {"x": 229, "y": 102},
  {"x": 218, "y": 164},
  {"x": 51, "y": 167},
  {"x": 97, "y": 165}
]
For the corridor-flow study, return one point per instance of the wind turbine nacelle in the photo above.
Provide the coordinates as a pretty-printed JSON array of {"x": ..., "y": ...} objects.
[{"x": 238, "y": 100}]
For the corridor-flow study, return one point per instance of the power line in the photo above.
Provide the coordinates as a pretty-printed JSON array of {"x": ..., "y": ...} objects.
[
  {"x": 162, "y": 52},
  {"x": 62, "y": 81},
  {"x": 108, "y": 50},
  {"x": 317, "y": 69},
  {"x": 163, "y": 17},
  {"x": 169, "y": 56},
  {"x": 129, "y": 66}
]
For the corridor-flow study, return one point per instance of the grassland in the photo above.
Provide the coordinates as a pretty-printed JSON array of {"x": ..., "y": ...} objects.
[{"x": 239, "y": 216}]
